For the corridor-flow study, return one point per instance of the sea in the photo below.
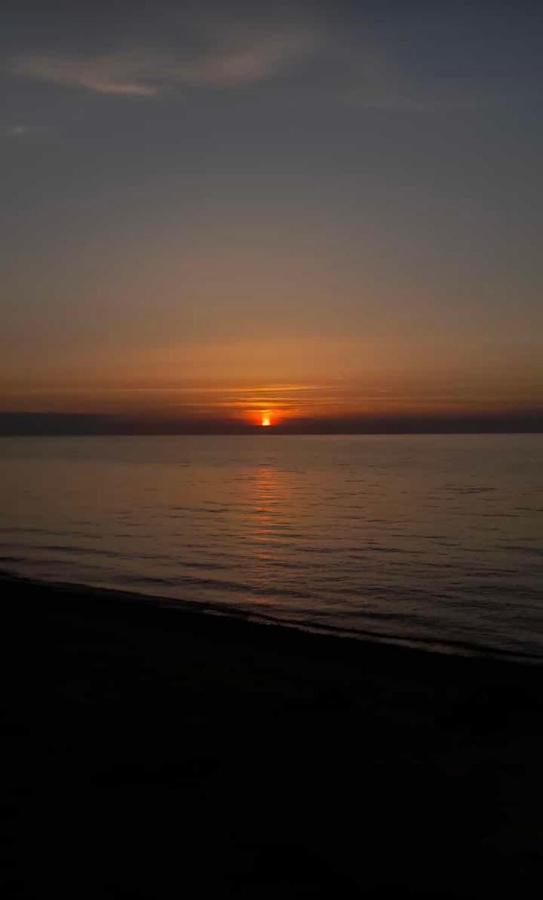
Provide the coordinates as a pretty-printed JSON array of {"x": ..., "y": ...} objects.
[{"x": 433, "y": 541}]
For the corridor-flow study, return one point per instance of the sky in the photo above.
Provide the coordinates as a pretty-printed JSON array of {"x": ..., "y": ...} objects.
[{"x": 326, "y": 214}]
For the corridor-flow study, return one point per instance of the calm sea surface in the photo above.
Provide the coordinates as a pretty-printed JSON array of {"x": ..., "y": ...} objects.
[{"x": 423, "y": 539}]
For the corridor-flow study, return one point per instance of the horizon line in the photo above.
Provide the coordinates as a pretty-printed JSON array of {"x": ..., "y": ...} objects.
[{"x": 20, "y": 424}]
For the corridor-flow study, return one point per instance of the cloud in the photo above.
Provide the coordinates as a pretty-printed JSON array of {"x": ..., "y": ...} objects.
[
  {"x": 370, "y": 77},
  {"x": 107, "y": 74},
  {"x": 245, "y": 58},
  {"x": 14, "y": 131},
  {"x": 232, "y": 58},
  {"x": 18, "y": 131}
]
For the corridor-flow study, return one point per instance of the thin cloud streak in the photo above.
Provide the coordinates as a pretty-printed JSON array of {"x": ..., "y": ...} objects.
[
  {"x": 234, "y": 59},
  {"x": 107, "y": 74},
  {"x": 16, "y": 131}
]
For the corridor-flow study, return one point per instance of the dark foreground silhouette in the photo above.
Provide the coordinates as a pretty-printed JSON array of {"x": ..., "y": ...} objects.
[{"x": 156, "y": 753}]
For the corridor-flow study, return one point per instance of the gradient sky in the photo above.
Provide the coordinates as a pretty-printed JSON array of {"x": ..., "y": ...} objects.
[{"x": 328, "y": 210}]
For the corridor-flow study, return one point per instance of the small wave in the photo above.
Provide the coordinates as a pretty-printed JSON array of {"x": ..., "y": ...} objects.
[
  {"x": 240, "y": 588},
  {"x": 522, "y": 548}
]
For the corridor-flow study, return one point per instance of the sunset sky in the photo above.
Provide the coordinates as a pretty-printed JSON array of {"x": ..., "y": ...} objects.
[{"x": 328, "y": 213}]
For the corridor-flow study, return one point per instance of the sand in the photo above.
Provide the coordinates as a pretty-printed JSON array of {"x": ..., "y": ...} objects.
[{"x": 153, "y": 752}]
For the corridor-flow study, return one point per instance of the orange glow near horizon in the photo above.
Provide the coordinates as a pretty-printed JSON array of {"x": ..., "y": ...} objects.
[{"x": 148, "y": 402}]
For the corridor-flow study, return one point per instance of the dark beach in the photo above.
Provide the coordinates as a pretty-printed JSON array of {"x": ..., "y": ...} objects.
[{"x": 157, "y": 752}]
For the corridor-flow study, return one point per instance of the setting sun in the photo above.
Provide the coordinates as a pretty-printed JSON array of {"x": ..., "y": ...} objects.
[{"x": 266, "y": 421}]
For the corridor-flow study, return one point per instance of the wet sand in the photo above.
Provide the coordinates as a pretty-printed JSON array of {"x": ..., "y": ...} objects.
[{"x": 154, "y": 752}]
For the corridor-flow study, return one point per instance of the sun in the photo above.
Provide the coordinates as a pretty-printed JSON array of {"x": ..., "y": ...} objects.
[{"x": 265, "y": 418}]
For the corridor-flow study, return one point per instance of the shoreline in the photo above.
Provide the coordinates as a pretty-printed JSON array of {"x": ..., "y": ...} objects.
[
  {"x": 462, "y": 649},
  {"x": 156, "y": 750}
]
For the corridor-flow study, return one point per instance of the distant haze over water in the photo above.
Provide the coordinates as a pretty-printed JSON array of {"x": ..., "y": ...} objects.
[{"x": 425, "y": 539}]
